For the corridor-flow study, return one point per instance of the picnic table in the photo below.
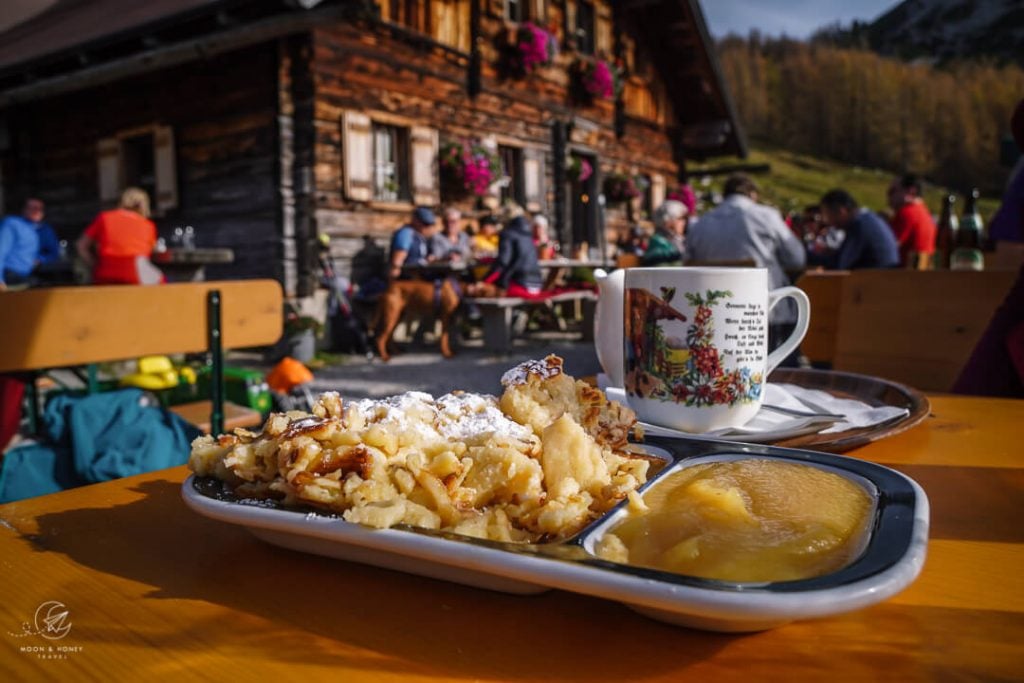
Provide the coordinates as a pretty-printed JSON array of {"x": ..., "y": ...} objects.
[{"x": 152, "y": 589}]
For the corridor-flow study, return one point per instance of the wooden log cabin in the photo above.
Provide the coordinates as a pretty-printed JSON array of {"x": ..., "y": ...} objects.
[{"x": 265, "y": 123}]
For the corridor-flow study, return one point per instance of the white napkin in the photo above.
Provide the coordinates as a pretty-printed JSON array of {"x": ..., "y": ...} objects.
[{"x": 768, "y": 424}]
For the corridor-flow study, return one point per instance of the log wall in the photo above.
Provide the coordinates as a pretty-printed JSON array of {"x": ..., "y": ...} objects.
[
  {"x": 223, "y": 115},
  {"x": 381, "y": 69}
]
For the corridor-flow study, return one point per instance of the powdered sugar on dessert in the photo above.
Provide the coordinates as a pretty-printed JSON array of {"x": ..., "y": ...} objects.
[{"x": 542, "y": 369}]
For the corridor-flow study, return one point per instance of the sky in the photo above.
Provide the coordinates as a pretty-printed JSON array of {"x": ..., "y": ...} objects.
[{"x": 795, "y": 18}]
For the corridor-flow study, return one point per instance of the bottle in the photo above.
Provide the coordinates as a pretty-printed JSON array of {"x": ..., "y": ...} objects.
[
  {"x": 967, "y": 255},
  {"x": 945, "y": 238},
  {"x": 189, "y": 238}
]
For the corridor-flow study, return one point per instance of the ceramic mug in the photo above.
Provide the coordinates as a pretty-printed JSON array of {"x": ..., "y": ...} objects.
[
  {"x": 608, "y": 323},
  {"x": 696, "y": 344}
]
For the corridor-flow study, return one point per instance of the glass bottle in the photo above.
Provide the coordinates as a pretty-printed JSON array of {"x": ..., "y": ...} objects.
[
  {"x": 967, "y": 255},
  {"x": 945, "y": 239}
]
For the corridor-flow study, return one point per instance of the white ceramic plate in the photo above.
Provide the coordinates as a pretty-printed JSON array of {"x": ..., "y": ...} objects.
[
  {"x": 893, "y": 555},
  {"x": 793, "y": 429}
]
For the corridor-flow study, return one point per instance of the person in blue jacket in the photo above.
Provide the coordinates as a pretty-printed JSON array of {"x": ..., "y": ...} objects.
[{"x": 25, "y": 242}]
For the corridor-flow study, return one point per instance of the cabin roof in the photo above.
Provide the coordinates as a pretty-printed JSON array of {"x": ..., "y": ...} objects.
[
  {"x": 47, "y": 43},
  {"x": 50, "y": 27}
]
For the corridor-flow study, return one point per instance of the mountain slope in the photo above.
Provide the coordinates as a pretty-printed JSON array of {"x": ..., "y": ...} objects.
[{"x": 949, "y": 29}]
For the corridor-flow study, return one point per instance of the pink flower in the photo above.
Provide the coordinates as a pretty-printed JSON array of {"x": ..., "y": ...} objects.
[
  {"x": 599, "y": 81},
  {"x": 586, "y": 170},
  {"x": 534, "y": 45},
  {"x": 684, "y": 193}
]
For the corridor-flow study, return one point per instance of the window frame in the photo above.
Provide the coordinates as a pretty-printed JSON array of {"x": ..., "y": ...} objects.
[
  {"x": 524, "y": 11},
  {"x": 399, "y": 142},
  {"x": 585, "y": 37},
  {"x": 160, "y": 205},
  {"x": 515, "y": 188}
]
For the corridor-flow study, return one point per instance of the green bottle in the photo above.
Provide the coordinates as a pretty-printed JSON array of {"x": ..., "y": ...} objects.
[
  {"x": 945, "y": 241},
  {"x": 967, "y": 255}
]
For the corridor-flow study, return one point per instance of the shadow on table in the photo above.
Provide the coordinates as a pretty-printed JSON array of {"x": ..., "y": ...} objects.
[{"x": 331, "y": 606}]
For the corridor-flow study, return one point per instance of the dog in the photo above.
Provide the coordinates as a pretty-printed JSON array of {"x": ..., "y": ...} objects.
[{"x": 421, "y": 296}]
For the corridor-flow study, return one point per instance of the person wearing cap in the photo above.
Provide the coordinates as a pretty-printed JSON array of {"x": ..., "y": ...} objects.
[{"x": 410, "y": 244}]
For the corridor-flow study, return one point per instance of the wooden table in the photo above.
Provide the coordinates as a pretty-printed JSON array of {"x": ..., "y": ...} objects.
[
  {"x": 189, "y": 265},
  {"x": 155, "y": 591}
]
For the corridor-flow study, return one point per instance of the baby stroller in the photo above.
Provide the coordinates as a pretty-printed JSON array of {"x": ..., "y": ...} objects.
[{"x": 346, "y": 332}]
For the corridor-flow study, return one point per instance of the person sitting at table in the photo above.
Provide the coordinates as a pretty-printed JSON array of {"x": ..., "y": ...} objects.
[
  {"x": 911, "y": 221},
  {"x": 20, "y": 243},
  {"x": 515, "y": 272},
  {"x": 667, "y": 245},
  {"x": 118, "y": 243},
  {"x": 869, "y": 242},
  {"x": 451, "y": 243},
  {"x": 410, "y": 244},
  {"x": 485, "y": 242},
  {"x": 546, "y": 248}
]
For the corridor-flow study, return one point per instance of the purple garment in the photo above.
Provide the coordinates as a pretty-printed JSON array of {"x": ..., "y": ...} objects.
[
  {"x": 990, "y": 371},
  {"x": 1008, "y": 223}
]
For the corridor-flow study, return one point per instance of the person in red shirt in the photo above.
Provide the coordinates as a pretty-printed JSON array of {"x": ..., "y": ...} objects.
[
  {"x": 911, "y": 221},
  {"x": 118, "y": 239}
]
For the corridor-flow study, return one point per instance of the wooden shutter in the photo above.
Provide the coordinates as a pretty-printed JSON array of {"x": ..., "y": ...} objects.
[
  {"x": 165, "y": 165},
  {"x": 108, "y": 169},
  {"x": 533, "y": 180},
  {"x": 423, "y": 148},
  {"x": 357, "y": 142},
  {"x": 657, "y": 190},
  {"x": 539, "y": 12},
  {"x": 603, "y": 28}
]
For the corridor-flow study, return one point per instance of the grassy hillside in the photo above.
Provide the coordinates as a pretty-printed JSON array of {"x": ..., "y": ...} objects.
[{"x": 797, "y": 180}]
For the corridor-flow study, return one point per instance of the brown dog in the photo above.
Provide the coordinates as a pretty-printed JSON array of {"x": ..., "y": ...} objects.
[{"x": 420, "y": 296}]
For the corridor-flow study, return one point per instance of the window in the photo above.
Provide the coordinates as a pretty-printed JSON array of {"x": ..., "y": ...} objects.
[
  {"x": 647, "y": 199},
  {"x": 138, "y": 162},
  {"x": 512, "y": 189},
  {"x": 584, "y": 30},
  {"x": 141, "y": 157},
  {"x": 390, "y": 165},
  {"x": 388, "y": 160},
  {"x": 405, "y": 12},
  {"x": 516, "y": 10}
]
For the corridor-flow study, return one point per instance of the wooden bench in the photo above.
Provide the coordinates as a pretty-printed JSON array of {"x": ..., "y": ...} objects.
[
  {"x": 914, "y": 327},
  {"x": 74, "y": 326},
  {"x": 825, "y": 290},
  {"x": 498, "y": 313}
]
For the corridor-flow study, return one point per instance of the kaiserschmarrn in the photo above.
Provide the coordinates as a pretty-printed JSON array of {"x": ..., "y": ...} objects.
[{"x": 537, "y": 464}]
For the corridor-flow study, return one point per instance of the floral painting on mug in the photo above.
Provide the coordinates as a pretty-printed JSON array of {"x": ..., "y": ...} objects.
[{"x": 688, "y": 371}]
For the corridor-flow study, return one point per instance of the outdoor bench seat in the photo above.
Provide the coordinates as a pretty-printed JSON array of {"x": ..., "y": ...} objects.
[
  {"x": 498, "y": 313},
  {"x": 61, "y": 327}
]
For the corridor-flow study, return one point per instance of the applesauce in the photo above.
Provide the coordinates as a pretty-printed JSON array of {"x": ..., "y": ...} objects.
[{"x": 750, "y": 520}]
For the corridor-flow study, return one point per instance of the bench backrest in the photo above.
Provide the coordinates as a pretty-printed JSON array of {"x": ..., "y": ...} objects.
[
  {"x": 65, "y": 326},
  {"x": 825, "y": 290},
  {"x": 915, "y": 327}
]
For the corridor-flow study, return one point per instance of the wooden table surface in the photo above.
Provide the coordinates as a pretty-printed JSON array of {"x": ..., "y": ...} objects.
[{"x": 154, "y": 591}]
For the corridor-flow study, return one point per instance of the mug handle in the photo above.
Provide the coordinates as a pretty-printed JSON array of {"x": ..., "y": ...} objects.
[{"x": 803, "y": 320}]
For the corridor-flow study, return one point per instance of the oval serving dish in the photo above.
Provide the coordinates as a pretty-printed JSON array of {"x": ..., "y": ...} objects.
[{"x": 891, "y": 557}]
